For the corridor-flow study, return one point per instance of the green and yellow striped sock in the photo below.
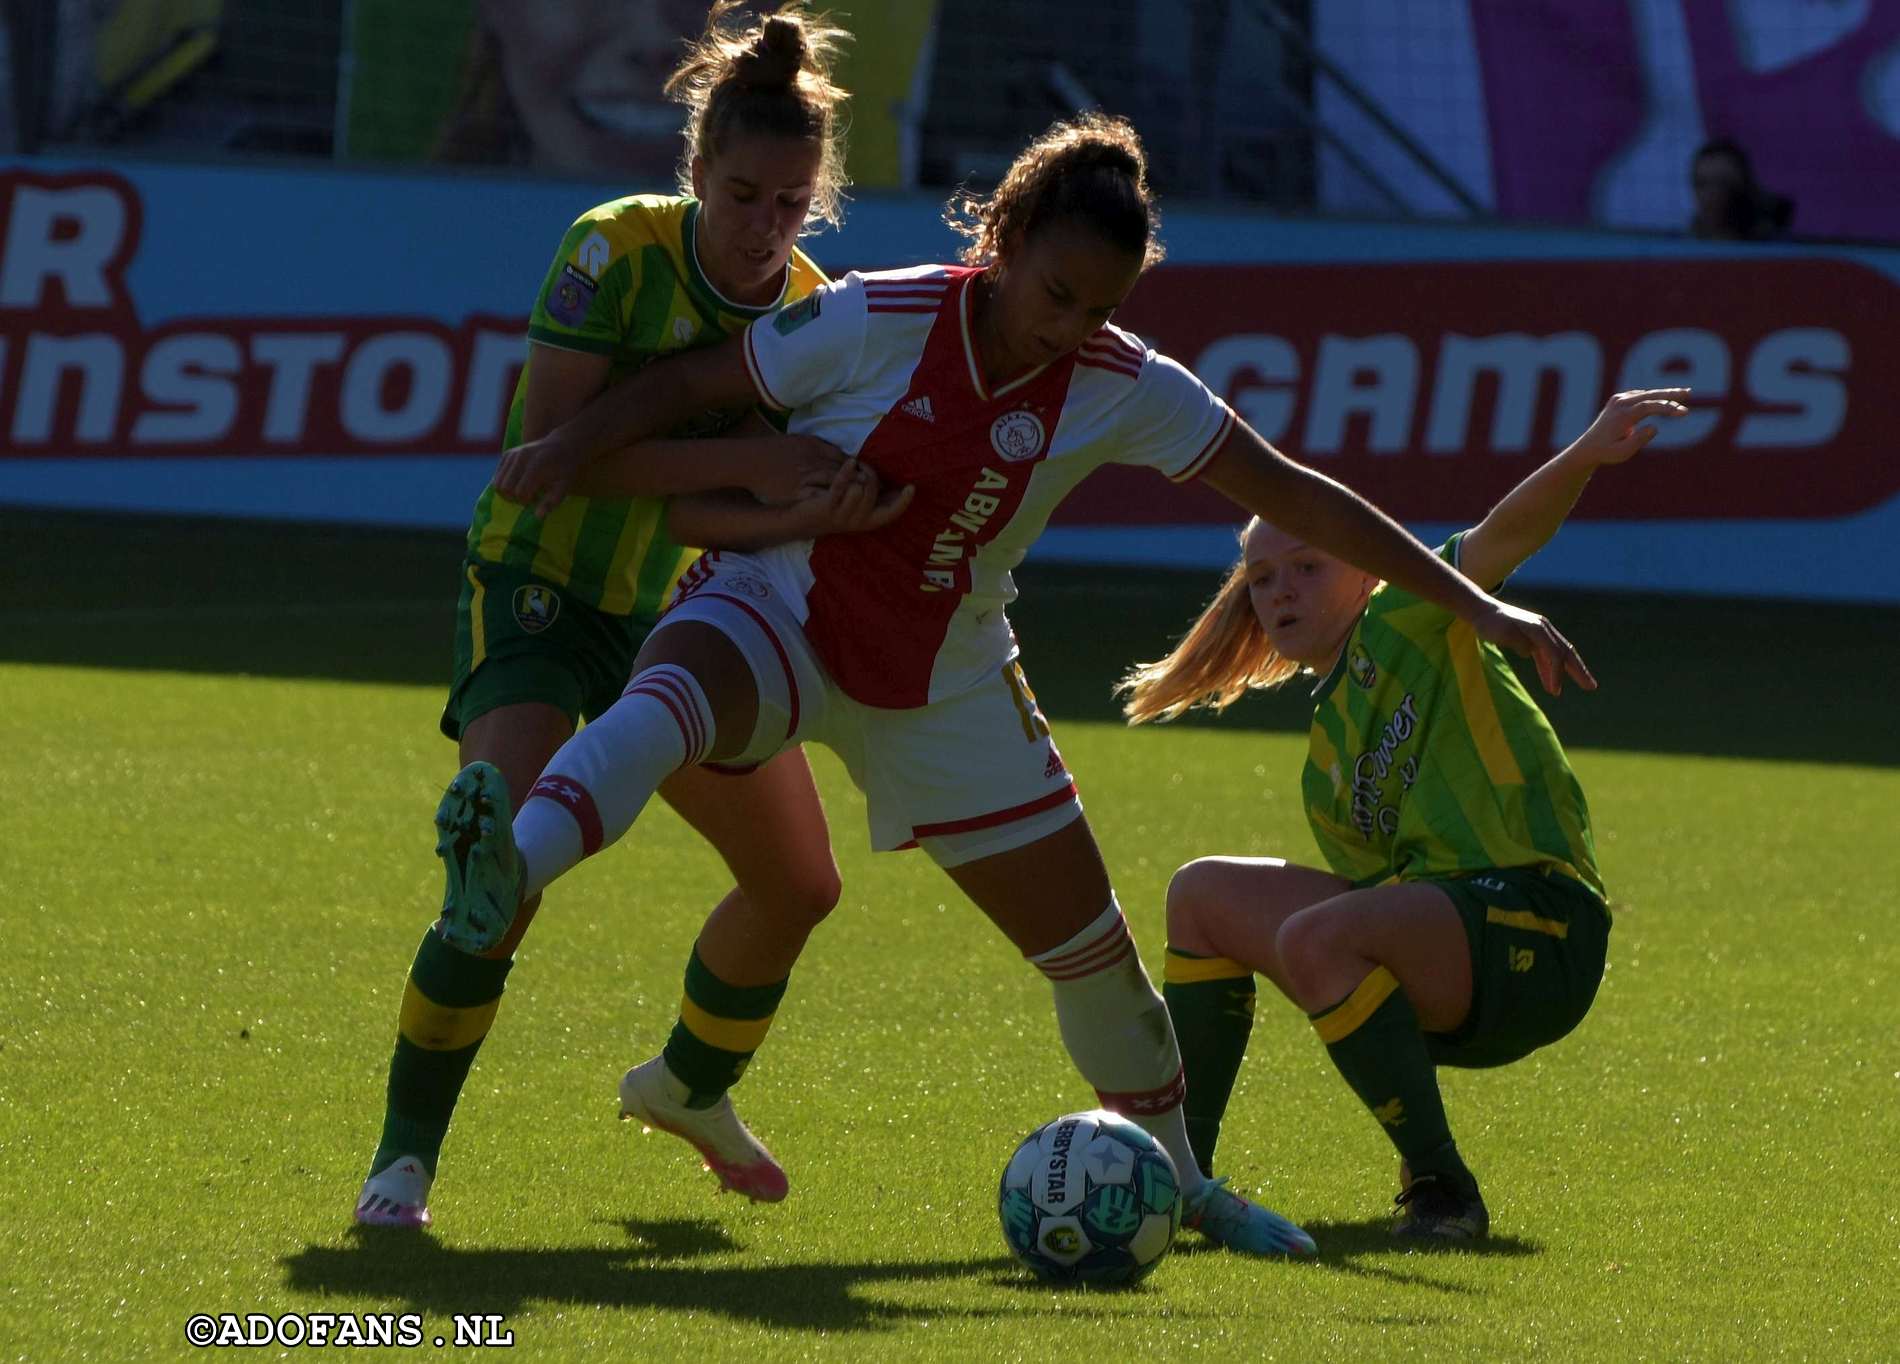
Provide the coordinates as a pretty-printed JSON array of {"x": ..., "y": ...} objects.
[
  {"x": 1211, "y": 1001},
  {"x": 448, "y": 1007},
  {"x": 1374, "y": 1038},
  {"x": 718, "y": 1029}
]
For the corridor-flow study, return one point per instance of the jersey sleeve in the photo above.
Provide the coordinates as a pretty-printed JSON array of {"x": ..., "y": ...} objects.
[
  {"x": 582, "y": 303},
  {"x": 809, "y": 348},
  {"x": 1392, "y": 596},
  {"x": 1171, "y": 421}
]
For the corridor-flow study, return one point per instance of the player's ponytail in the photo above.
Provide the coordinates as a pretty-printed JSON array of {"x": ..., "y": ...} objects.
[
  {"x": 772, "y": 79},
  {"x": 1090, "y": 169},
  {"x": 1223, "y": 655}
]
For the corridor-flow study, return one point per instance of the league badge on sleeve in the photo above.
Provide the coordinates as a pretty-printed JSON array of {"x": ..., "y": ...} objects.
[
  {"x": 570, "y": 296},
  {"x": 790, "y": 319}
]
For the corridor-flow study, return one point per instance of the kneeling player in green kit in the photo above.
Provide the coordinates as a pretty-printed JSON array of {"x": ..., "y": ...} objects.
[{"x": 1463, "y": 922}]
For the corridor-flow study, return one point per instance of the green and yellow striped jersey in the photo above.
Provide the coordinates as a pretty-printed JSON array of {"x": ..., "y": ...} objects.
[
  {"x": 626, "y": 284},
  {"x": 1428, "y": 757}
]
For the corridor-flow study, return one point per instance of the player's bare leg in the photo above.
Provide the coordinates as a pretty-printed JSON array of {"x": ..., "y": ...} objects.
[
  {"x": 690, "y": 699},
  {"x": 1233, "y": 907},
  {"x": 1411, "y": 930},
  {"x": 1376, "y": 970},
  {"x": 1048, "y": 897},
  {"x": 770, "y": 828},
  {"x": 517, "y": 741},
  {"x": 1224, "y": 914}
]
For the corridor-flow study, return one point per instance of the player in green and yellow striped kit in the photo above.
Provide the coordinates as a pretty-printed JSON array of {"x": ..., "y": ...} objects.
[
  {"x": 553, "y": 610},
  {"x": 1463, "y": 921}
]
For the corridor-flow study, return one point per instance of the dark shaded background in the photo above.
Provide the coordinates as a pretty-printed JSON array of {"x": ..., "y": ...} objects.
[{"x": 1756, "y": 679}]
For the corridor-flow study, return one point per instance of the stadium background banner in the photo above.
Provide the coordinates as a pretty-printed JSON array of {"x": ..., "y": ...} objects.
[
  {"x": 323, "y": 345},
  {"x": 576, "y": 87},
  {"x": 1555, "y": 111}
]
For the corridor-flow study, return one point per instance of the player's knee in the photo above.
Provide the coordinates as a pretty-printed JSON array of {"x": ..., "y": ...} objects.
[
  {"x": 807, "y": 893},
  {"x": 823, "y": 889},
  {"x": 1306, "y": 944},
  {"x": 1189, "y": 898}
]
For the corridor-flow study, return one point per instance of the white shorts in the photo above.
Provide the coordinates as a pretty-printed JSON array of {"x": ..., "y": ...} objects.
[{"x": 966, "y": 777}]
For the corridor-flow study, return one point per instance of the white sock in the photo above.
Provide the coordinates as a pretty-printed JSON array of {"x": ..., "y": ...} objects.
[
  {"x": 596, "y": 786},
  {"x": 1119, "y": 1034}
]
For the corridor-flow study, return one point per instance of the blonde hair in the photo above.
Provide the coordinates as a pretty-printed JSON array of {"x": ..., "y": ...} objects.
[
  {"x": 772, "y": 78},
  {"x": 1223, "y": 656},
  {"x": 1091, "y": 168}
]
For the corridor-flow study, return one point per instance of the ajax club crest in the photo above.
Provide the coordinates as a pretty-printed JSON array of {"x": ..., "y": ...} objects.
[
  {"x": 536, "y": 607},
  {"x": 1017, "y": 436}
]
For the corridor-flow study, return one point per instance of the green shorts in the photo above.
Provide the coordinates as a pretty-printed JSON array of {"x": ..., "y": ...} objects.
[
  {"x": 1538, "y": 941},
  {"x": 521, "y": 638}
]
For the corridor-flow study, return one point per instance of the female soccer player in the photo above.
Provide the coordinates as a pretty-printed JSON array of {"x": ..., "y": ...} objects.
[
  {"x": 554, "y": 608},
  {"x": 992, "y": 388},
  {"x": 1463, "y": 922}
]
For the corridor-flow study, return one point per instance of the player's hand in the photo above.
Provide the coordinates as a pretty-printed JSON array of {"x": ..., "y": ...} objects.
[
  {"x": 785, "y": 469},
  {"x": 855, "y": 502},
  {"x": 538, "y": 474},
  {"x": 1617, "y": 433},
  {"x": 858, "y": 502},
  {"x": 1526, "y": 632}
]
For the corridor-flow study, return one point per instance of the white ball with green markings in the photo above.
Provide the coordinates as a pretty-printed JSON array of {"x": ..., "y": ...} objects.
[{"x": 1090, "y": 1198}]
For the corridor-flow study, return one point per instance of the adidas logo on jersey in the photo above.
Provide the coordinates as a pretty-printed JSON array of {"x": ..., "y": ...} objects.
[{"x": 919, "y": 408}]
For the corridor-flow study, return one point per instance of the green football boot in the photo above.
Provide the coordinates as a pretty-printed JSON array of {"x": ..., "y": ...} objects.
[{"x": 475, "y": 839}]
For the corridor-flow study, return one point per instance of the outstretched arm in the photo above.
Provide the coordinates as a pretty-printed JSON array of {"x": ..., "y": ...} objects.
[
  {"x": 1530, "y": 513},
  {"x": 1331, "y": 517}
]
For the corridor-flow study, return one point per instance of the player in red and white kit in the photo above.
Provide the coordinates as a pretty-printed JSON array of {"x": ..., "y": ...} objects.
[{"x": 990, "y": 390}]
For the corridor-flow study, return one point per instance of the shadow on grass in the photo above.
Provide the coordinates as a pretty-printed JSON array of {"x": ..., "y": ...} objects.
[
  {"x": 1373, "y": 1236},
  {"x": 660, "y": 1267},
  {"x": 1680, "y": 674},
  {"x": 1367, "y": 1249}
]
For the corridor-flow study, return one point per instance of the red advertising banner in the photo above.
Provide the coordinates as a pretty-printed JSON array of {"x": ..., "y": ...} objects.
[
  {"x": 1433, "y": 388},
  {"x": 82, "y": 374}
]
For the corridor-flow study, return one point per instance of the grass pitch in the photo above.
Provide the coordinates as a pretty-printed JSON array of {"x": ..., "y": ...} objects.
[{"x": 214, "y": 882}]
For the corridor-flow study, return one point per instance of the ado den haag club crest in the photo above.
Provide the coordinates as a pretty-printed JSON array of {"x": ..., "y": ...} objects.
[
  {"x": 1017, "y": 436},
  {"x": 1359, "y": 663},
  {"x": 536, "y": 607}
]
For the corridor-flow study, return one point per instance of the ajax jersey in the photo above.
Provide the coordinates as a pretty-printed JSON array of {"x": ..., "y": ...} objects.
[{"x": 884, "y": 366}]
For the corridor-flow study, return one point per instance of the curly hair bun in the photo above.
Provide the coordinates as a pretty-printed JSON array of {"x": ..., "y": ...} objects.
[
  {"x": 1090, "y": 169},
  {"x": 1092, "y": 154}
]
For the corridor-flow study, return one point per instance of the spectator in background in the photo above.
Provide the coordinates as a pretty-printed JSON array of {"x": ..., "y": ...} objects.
[{"x": 1729, "y": 205}]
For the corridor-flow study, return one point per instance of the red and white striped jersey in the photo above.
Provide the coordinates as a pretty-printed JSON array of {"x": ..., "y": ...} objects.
[{"x": 884, "y": 367}]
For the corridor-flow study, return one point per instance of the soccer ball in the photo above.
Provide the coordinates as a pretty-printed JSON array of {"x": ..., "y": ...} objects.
[{"x": 1090, "y": 1198}]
